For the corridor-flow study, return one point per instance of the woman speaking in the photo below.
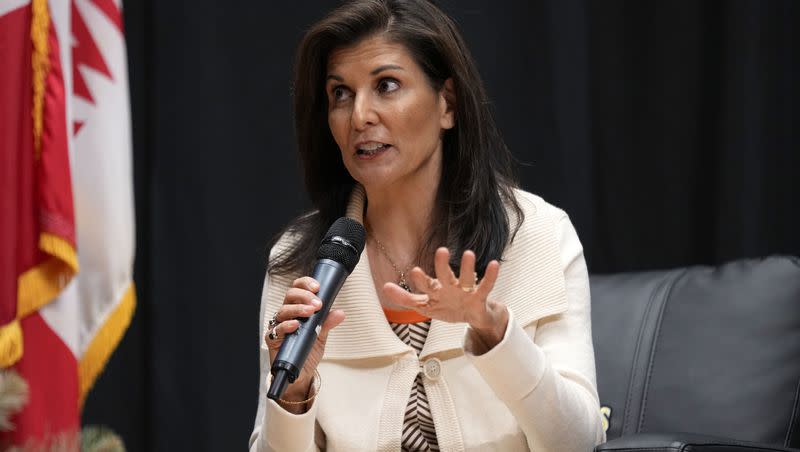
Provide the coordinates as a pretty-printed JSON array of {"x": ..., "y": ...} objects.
[{"x": 466, "y": 323}]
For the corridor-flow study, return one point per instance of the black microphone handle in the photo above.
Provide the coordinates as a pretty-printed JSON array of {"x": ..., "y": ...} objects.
[{"x": 296, "y": 346}]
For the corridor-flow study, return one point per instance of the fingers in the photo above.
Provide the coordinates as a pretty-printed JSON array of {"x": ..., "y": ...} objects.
[
  {"x": 300, "y": 301},
  {"x": 441, "y": 264},
  {"x": 466, "y": 276},
  {"x": 399, "y": 296},
  {"x": 422, "y": 282},
  {"x": 303, "y": 291},
  {"x": 334, "y": 319},
  {"x": 489, "y": 278},
  {"x": 274, "y": 337},
  {"x": 300, "y": 296},
  {"x": 293, "y": 311},
  {"x": 306, "y": 282}
]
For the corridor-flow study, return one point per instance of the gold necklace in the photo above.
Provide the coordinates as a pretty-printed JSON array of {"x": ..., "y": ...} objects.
[{"x": 402, "y": 282}]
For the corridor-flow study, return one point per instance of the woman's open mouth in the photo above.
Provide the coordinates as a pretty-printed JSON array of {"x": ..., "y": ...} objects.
[{"x": 370, "y": 150}]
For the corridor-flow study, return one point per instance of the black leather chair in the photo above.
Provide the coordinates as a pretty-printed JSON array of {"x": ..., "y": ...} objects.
[{"x": 700, "y": 358}]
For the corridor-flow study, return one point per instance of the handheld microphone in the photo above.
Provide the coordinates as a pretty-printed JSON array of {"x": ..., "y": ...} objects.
[{"x": 336, "y": 258}]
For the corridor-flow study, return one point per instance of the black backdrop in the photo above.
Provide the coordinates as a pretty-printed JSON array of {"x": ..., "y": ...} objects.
[{"x": 666, "y": 129}]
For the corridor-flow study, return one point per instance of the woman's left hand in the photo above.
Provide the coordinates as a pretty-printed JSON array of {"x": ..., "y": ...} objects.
[{"x": 452, "y": 298}]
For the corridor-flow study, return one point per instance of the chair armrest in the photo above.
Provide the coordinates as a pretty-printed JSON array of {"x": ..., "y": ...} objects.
[{"x": 683, "y": 442}]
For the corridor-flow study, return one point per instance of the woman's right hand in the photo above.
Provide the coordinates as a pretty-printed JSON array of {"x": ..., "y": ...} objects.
[{"x": 301, "y": 301}]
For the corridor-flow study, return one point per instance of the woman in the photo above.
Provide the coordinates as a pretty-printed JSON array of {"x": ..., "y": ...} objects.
[{"x": 432, "y": 343}]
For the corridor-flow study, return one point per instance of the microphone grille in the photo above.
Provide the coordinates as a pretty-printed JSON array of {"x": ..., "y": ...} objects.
[{"x": 343, "y": 243}]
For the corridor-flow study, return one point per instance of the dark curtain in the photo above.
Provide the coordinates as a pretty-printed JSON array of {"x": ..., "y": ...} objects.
[{"x": 666, "y": 130}]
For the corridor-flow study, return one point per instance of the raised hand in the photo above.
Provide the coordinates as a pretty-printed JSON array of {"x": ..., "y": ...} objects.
[{"x": 452, "y": 298}]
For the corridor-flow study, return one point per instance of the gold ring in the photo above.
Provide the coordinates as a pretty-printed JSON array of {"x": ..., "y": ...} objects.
[{"x": 474, "y": 283}]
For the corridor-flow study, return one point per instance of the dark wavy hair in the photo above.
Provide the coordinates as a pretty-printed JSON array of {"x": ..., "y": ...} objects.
[{"x": 477, "y": 178}]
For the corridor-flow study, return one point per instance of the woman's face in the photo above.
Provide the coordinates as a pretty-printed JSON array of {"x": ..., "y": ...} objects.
[{"x": 383, "y": 113}]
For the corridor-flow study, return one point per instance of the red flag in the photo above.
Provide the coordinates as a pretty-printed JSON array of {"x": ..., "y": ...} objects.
[
  {"x": 37, "y": 227},
  {"x": 58, "y": 327}
]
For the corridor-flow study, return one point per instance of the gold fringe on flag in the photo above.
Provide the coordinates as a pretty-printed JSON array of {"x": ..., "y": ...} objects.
[
  {"x": 40, "y": 30},
  {"x": 10, "y": 343},
  {"x": 42, "y": 283},
  {"x": 104, "y": 342}
]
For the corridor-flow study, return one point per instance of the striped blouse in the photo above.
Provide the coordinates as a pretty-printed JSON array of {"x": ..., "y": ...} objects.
[{"x": 419, "y": 433}]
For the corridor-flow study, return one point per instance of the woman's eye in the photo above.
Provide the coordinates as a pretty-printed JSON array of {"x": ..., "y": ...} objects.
[
  {"x": 387, "y": 85},
  {"x": 340, "y": 93}
]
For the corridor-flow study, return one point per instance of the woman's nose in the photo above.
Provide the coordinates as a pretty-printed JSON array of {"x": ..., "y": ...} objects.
[{"x": 364, "y": 113}]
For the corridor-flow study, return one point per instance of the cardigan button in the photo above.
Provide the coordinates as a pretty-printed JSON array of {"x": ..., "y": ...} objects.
[{"x": 432, "y": 368}]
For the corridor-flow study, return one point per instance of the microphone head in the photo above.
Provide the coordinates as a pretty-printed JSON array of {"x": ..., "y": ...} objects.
[{"x": 343, "y": 243}]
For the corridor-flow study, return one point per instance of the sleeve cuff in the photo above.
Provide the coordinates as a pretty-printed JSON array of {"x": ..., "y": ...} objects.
[
  {"x": 512, "y": 368},
  {"x": 287, "y": 431}
]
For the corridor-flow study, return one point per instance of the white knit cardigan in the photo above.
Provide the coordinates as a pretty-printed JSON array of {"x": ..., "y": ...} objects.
[{"x": 535, "y": 390}]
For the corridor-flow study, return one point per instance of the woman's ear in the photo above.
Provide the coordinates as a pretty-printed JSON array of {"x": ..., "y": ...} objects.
[{"x": 447, "y": 98}]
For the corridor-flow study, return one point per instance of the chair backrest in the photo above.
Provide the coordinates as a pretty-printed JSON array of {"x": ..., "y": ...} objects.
[{"x": 710, "y": 350}]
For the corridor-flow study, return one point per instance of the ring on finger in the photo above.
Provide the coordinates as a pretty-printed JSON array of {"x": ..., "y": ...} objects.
[
  {"x": 273, "y": 334},
  {"x": 273, "y": 322},
  {"x": 471, "y": 288}
]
